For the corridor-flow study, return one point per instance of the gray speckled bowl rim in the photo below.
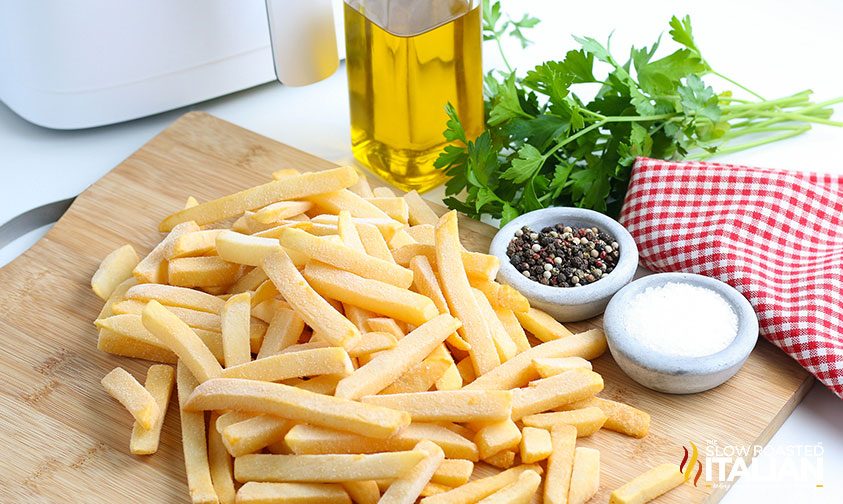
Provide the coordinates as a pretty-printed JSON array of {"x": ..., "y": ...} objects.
[
  {"x": 570, "y": 296},
  {"x": 733, "y": 354}
]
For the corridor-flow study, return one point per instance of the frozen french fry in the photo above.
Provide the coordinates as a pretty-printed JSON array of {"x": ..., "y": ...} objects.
[
  {"x": 292, "y": 493},
  {"x": 501, "y": 295},
  {"x": 497, "y": 436},
  {"x": 570, "y": 386},
  {"x": 481, "y": 267},
  {"x": 621, "y": 417},
  {"x": 182, "y": 340},
  {"x": 326, "y": 224},
  {"x": 426, "y": 284},
  {"x": 235, "y": 318},
  {"x": 466, "y": 370},
  {"x": 133, "y": 396},
  {"x": 373, "y": 295},
  {"x": 298, "y": 405},
  {"x": 503, "y": 459},
  {"x": 475, "y": 329},
  {"x": 153, "y": 267},
  {"x": 308, "y": 439},
  {"x": 513, "y": 328},
  {"x": 503, "y": 343},
  {"x": 585, "y": 476},
  {"x": 337, "y": 201},
  {"x": 220, "y": 466},
  {"x": 284, "y": 330},
  {"x": 479, "y": 489},
  {"x": 249, "y": 282},
  {"x": 134, "y": 337},
  {"x": 541, "y": 325},
  {"x": 551, "y": 366},
  {"x": 407, "y": 487},
  {"x": 198, "y": 243},
  {"x": 519, "y": 370},
  {"x": 433, "y": 489},
  {"x": 520, "y": 491},
  {"x": 113, "y": 270},
  {"x": 587, "y": 421},
  {"x": 362, "y": 492},
  {"x": 449, "y": 405},
  {"x": 130, "y": 346},
  {"x": 289, "y": 188},
  {"x": 176, "y": 296},
  {"x": 453, "y": 472},
  {"x": 389, "y": 365},
  {"x": 284, "y": 173},
  {"x": 392, "y": 206},
  {"x": 362, "y": 187},
  {"x": 535, "y": 444},
  {"x": 313, "y": 309},
  {"x": 250, "y": 250},
  {"x": 372, "y": 342},
  {"x": 322, "y": 384},
  {"x": 649, "y": 485},
  {"x": 275, "y": 212},
  {"x": 283, "y": 366},
  {"x": 382, "y": 192},
  {"x": 159, "y": 384},
  {"x": 231, "y": 418},
  {"x": 194, "y": 318},
  {"x": 194, "y": 443},
  {"x": 423, "y": 233},
  {"x": 385, "y": 324},
  {"x": 421, "y": 376},
  {"x": 253, "y": 434},
  {"x": 374, "y": 243},
  {"x": 115, "y": 297},
  {"x": 420, "y": 211},
  {"x": 560, "y": 464},
  {"x": 325, "y": 468}
]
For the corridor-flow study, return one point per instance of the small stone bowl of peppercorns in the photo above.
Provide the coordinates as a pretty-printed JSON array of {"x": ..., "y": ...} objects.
[{"x": 568, "y": 262}]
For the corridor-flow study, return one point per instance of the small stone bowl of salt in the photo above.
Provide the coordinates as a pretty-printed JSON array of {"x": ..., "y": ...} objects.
[{"x": 680, "y": 333}]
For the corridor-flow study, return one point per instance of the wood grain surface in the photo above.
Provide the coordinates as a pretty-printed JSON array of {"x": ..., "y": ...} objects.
[{"x": 66, "y": 440}]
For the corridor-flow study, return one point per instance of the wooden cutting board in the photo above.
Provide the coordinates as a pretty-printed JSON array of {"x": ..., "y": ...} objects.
[{"x": 66, "y": 440}]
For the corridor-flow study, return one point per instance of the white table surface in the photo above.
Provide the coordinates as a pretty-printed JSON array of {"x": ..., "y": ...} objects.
[{"x": 775, "y": 47}]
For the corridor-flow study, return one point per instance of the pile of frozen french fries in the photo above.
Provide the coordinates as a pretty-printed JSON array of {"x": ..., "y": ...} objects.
[{"x": 349, "y": 349}]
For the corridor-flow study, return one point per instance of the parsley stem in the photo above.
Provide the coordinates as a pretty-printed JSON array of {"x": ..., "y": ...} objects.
[
  {"x": 749, "y": 145},
  {"x": 753, "y": 93},
  {"x": 503, "y": 54},
  {"x": 800, "y": 117}
]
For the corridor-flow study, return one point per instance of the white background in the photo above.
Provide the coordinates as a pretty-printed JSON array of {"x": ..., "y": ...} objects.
[{"x": 774, "y": 47}]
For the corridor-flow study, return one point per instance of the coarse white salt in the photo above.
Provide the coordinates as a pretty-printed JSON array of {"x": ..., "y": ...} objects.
[{"x": 681, "y": 320}]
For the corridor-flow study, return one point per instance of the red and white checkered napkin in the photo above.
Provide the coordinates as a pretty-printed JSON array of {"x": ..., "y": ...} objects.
[{"x": 774, "y": 235}]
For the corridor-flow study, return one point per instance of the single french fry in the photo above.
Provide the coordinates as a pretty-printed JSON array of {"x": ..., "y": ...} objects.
[
  {"x": 266, "y": 311},
  {"x": 231, "y": 418},
  {"x": 284, "y": 330},
  {"x": 235, "y": 318},
  {"x": 176, "y": 296},
  {"x": 478, "y": 267},
  {"x": 129, "y": 346},
  {"x": 503, "y": 459},
  {"x": 621, "y": 417},
  {"x": 254, "y": 434},
  {"x": 250, "y": 250},
  {"x": 550, "y": 366},
  {"x": 382, "y": 192},
  {"x": 313, "y": 309},
  {"x": 191, "y": 202},
  {"x": 296, "y": 187},
  {"x": 392, "y": 206},
  {"x": 407, "y": 487},
  {"x": 322, "y": 384},
  {"x": 194, "y": 318},
  {"x": 519, "y": 370},
  {"x": 255, "y": 492},
  {"x": 182, "y": 340},
  {"x": 133, "y": 396},
  {"x": 308, "y": 439},
  {"x": 313, "y": 344},
  {"x": 426, "y": 284},
  {"x": 421, "y": 376},
  {"x": 541, "y": 325},
  {"x": 362, "y": 187},
  {"x": 275, "y": 212},
  {"x": 113, "y": 270},
  {"x": 570, "y": 386},
  {"x": 127, "y": 333},
  {"x": 463, "y": 304},
  {"x": 433, "y": 489},
  {"x": 153, "y": 267},
  {"x": 298, "y": 405},
  {"x": 373, "y": 295},
  {"x": 220, "y": 466},
  {"x": 326, "y": 224},
  {"x": 337, "y": 201},
  {"x": 325, "y": 468},
  {"x": 504, "y": 345},
  {"x": 466, "y": 370},
  {"x": 115, "y": 297},
  {"x": 587, "y": 421},
  {"x": 649, "y": 485},
  {"x": 420, "y": 211},
  {"x": 347, "y": 231},
  {"x": 453, "y": 472},
  {"x": 585, "y": 476},
  {"x": 264, "y": 292},
  {"x": 385, "y": 324},
  {"x": 277, "y": 230},
  {"x": 518, "y": 492},
  {"x": 535, "y": 444},
  {"x": 497, "y": 436},
  {"x": 194, "y": 244},
  {"x": 194, "y": 442},
  {"x": 247, "y": 225},
  {"x": 560, "y": 463},
  {"x": 284, "y": 173},
  {"x": 449, "y": 405},
  {"x": 399, "y": 239},
  {"x": 362, "y": 492},
  {"x": 479, "y": 489},
  {"x": 283, "y": 366},
  {"x": 372, "y": 342},
  {"x": 346, "y": 258},
  {"x": 159, "y": 384},
  {"x": 389, "y": 365},
  {"x": 249, "y": 282},
  {"x": 373, "y": 242},
  {"x": 501, "y": 295},
  {"x": 513, "y": 328},
  {"x": 423, "y": 233}
]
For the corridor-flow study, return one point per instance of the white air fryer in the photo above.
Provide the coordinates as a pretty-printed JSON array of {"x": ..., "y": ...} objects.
[{"x": 70, "y": 64}]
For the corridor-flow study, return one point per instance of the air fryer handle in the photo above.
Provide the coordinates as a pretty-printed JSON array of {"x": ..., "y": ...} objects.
[{"x": 303, "y": 39}]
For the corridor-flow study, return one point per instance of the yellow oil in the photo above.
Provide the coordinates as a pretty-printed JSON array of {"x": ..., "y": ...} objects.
[{"x": 400, "y": 80}]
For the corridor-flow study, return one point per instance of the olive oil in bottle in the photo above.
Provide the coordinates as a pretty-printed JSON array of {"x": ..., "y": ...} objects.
[{"x": 406, "y": 60}]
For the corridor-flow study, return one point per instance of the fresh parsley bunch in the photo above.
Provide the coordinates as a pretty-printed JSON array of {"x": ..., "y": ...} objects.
[{"x": 544, "y": 146}]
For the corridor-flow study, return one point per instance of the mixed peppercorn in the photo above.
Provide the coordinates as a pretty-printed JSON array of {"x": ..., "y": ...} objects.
[{"x": 562, "y": 256}]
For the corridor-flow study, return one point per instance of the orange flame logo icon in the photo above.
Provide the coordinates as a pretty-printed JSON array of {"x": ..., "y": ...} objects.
[{"x": 687, "y": 466}]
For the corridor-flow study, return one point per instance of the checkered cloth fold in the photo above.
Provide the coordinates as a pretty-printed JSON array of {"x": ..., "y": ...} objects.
[{"x": 774, "y": 235}]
